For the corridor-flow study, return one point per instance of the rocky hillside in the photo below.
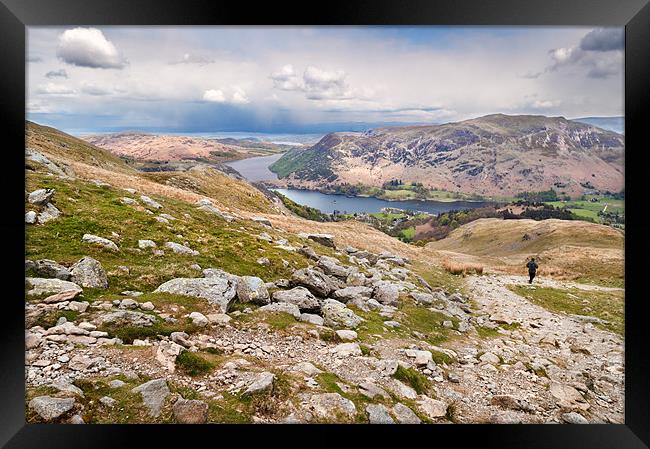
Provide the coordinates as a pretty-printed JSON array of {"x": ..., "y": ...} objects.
[
  {"x": 497, "y": 155},
  {"x": 175, "y": 298}
]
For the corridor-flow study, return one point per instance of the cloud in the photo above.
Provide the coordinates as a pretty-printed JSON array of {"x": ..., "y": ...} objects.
[
  {"x": 34, "y": 59},
  {"x": 92, "y": 89},
  {"x": 88, "y": 47},
  {"x": 600, "y": 52},
  {"x": 545, "y": 104},
  {"x": 237, "y": 96},
  {"x": 318, "y": 84},
  {"x": 287, "y": 79},
  {"x": 214, "y": 95},
  {"x": 55, "y": 89},
  {"x": 57, "y": 74},
  {"x": 602, "y": 39},
  {"x": 189, "y": 58}
]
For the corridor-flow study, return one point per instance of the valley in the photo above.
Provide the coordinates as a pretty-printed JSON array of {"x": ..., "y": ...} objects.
[{"x": 193, "y": 296}]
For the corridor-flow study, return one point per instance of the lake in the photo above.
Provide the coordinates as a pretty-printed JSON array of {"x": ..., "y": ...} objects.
[{"x": 256, "y": 169}]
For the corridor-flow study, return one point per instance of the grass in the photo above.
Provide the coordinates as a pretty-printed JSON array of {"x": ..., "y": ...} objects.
[
  {"x": 50, "y": 319},
  {"x": 414, "y": 379},
  {"x": 487, "y": 332},
  {"x": 193, "y": 364},
  {"x": 457, "y": 268},
  {"x": 87, "y": 208},
  {"x": 608, "y": 306},
  {"x": 276, "y": 320}
]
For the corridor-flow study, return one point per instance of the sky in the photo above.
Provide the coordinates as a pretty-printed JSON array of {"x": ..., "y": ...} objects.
[{"x": 315, "y": 79}]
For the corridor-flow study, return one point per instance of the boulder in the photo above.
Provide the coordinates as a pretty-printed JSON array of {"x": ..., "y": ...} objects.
[
  {"x": 346, "y": 335},
  {"x": 378, "y": 414},
  {"x": 323, "y": 239},
  {"x": 252, "y": 289},
  {"x": 432, "y": 408},
  {"x": 372, "y": 391},
  {"x": 346, "y": 350},
  {"x": 330, "y": 406},
  {"x": 356, "y": 279},
  {"x": 127, "y": 318},
  {"x": 332, "y": 267},
  {"x": 49, "y": 269},
  {"x": 144, "y": 244},
  {"x": 49, "y": 213},
  {"x": 309, "y": 252},
  {"x": 349, "y": 293},
  {"x": 89, "y": 273},
  {"x": 198, "y": 319},
  {"x": 218, "y": 291},
  {"x": 219, "y": 318},
  {"x": 181, "y": 249},
  {"x": 317, "y": 282},
  {"x": 128, "y": 201},
  {"x": 153, "y": 395},
  {"x": 311, "y": 318},
  {"x": 263, "y": 221},
  {"x": 574, "y": 418},
  {"x": 422, "y": 358},
  {"x": 299, "y": 296},
  {"x": 263, "y": 383},
  {"x": 386, "y": 293},
  {"x": 335, "y": 314},
  {"x": 30, "y": 217},
  {"x": 190, "y": 411},
  {"x": 422, "y": 298},
  {"x": 488, "y": 357},
  {"x": 95, "y": 240},
  {"x": 42, "y": 286},
  {"x": 50, "y": 408},
  {"x": 405, "y": 415},
  {"x": 149, "y": 202},
  {"x": 284, "y": 307},
  {"x": 41, "y": 197}
]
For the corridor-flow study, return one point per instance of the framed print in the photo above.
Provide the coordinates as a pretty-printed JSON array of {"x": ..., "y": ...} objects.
[{"x": 417, "y": 214}]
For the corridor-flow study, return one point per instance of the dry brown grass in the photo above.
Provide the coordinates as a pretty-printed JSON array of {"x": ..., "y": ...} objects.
[{"x": 462, "y": 268}]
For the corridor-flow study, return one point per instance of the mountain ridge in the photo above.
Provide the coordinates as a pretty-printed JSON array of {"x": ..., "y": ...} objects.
[{"x": 496, "y": 154}]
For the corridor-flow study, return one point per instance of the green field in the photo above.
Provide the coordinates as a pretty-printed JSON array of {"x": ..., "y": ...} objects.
[{"x": 588, "y": 209}]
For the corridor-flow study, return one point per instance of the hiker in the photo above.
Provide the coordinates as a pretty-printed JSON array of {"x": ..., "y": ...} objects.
[{"x": 532, "y": 269}]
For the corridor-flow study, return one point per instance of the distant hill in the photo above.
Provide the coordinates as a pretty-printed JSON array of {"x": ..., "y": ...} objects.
[
  {"x": 165, "y": 148},
  {"x": 616, "y": 124},
  {"x": 497, "y": 154}
]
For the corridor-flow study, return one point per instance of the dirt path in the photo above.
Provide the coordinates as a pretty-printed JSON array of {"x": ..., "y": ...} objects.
[
  {"x": 552, "y": 283},
  {"x": 550, "y": 364}
]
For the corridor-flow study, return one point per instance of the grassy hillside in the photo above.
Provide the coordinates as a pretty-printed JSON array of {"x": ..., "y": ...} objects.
[
  {"x": 577, "y": 250},
  {"x": 61, "y": 146}
]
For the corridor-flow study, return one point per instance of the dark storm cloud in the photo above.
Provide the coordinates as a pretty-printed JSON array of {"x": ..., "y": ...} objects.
[{"x": 603, "y": 39}]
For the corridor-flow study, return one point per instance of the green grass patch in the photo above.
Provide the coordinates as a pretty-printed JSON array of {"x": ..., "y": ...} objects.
[
  {"x": 608, "y": 306},
  {"x": 50, "y": 319},
  {"x": 193, "y": 364},
  {"x": 414, "y": 379}
]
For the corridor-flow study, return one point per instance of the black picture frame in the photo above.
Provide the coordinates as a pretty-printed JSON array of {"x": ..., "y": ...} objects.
[{"x": 15, "y": 15}]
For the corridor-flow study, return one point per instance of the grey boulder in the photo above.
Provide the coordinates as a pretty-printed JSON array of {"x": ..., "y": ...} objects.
[
  {"x": 300, "y": 297},
  {"x": 89, "y": 273},
  {"x": 218, "y": 291}
]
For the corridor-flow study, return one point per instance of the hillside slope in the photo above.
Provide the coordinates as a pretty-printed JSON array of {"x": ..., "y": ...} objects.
[
  {"x": 564, "y": 248},
  {"x": 493, "y": 155},
  {"x": 152, "y": 147}
]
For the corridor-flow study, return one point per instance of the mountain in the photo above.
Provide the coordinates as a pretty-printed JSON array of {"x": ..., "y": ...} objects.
[
  {"x": 496, "y": 154},
  {"x": 616, "y": 124},
  {"x": 189, "y": 296},
  {"x": 164, "y": 148}
]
